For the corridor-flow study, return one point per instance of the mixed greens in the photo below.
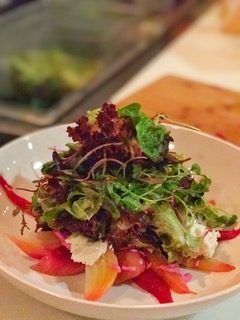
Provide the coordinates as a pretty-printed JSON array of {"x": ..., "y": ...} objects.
[{"x": 119, "y": 182}]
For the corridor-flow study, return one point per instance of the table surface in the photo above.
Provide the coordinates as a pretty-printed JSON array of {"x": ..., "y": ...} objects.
[{"x": 202, "y": 53}]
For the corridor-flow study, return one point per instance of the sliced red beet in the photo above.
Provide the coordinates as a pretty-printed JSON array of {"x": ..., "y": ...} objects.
[
  {"x": 172, "y": 275},
  {"x": 174, "y": 279},
  {"x": 132, "y": 263},
  {"x": 58, "y": 263},
  {"x": 155, "y": 285},
  {"x": 228, "y": 234}
]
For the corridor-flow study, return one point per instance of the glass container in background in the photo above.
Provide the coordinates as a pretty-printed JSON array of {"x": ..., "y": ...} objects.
[
  {"x": 57, "y": 56},
  {"x": 53, "y": 51}
]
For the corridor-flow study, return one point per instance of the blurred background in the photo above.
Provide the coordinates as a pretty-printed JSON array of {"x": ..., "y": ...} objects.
[{"x": 61, "y": 57}]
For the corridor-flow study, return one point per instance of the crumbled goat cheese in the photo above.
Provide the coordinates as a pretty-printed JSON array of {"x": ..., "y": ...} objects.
[
  {"x": 208, "y": 239},
  {"x": 210, "y": 243},
  {"x": 85, "y": 250}
]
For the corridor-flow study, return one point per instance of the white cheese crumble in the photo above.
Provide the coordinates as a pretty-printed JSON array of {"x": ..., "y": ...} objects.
[
  {"x": 208, "y": 239},
  {"x": 210, "y": 243},
  {"x": 84, "y": 250}
]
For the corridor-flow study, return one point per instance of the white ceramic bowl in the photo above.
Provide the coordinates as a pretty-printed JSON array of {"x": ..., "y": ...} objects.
[{"x": 20, "y": 163}]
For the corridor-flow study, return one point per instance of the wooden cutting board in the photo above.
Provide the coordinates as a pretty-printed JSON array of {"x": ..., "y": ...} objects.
[{"x": 212, "y": 109}]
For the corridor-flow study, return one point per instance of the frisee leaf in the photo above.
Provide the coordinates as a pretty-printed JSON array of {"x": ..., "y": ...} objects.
[{"x": 92, "y": 115}]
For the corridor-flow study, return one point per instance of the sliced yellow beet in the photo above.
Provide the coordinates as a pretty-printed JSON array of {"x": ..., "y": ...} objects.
[
  {"x": 101, "y": 276},
  {"x": 36, "y": 244}
]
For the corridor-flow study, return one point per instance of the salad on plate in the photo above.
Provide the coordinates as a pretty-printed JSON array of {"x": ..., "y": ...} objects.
[{"x": 122, "y": 207}]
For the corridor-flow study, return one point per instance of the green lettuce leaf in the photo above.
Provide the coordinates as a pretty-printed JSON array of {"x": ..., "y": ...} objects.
[
  {"x": 132, "y": 111},
  {"x": 85, "y": 208},
  {"x": 84, "y": 202},
  {"x": 51, "y": 214},
  {"x": 168, "y": 225},
  {"x": 178, "y": 242},
  {"x": 153, "y": 138}
]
